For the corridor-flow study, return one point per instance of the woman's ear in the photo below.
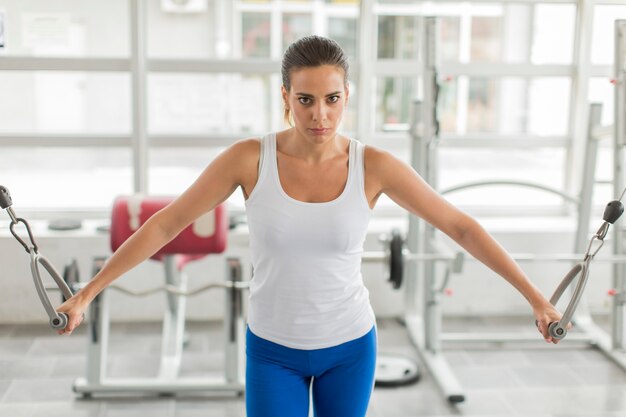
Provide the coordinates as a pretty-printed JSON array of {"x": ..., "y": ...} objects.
[
  {"x": 283, "y": 92},
  {"x": 346, "y": 90}
]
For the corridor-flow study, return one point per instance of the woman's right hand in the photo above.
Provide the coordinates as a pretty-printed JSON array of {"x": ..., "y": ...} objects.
[{"x": 75, "y": 309}]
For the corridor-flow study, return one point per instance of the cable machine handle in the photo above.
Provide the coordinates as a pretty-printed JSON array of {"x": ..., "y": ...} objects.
[
  {"x": 57, "y": 320},
  {"x": 558, "y": 329}
]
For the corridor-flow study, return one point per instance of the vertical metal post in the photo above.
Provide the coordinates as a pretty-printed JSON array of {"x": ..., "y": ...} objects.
[
  {"x": 173, "y": 321},
  {"x": 425, "y": 329},
  {"x": 138, "y": 89},
  {"x": 432, "y": 309},
  {"x": 579, "y": 106},
  {"x": 366, "y": 55},
  {"x": 233, "y": 323},
  {"x": 619, "y": 275},
  {"x": 414, "y": 241},
  {"x": 585, "y": 200},
  {"x": 97, "y": 336}
]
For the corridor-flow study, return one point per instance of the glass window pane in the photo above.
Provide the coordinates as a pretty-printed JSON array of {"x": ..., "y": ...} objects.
[
  {"x": 393, "y": 101},
  {"x": 398, "y": 37},
  {"x": 208, "y": 103},
  {"x": 191, "y": 34},
  {"x": 92, "y": 179},
  {"x": 255, "y": 36},
  {"x": 450, "y": 33},
  {"x": 463, "y": 165},
  {"x": 50, "y": 101},
  {"x": 511, "y": 105},
  {"x": 553, "y": 35},
  {"x": 447, "y": 105},
  {"x": 295, "y": 26},
  {"x": 482, "y": 107},
  {"x": 603, "y": 38},
  {"x": 86, "y": 28},
  {"x": 172, "y": 170},
  {"x": 486, "y": 44},
  {"x": 344, "y": 31},
  {"x": 505, "y": 105},
  {"x": 548, "y": 107}
]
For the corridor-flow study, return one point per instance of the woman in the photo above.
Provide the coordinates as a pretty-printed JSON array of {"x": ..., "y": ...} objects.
[{"x": 309, "y": 194}]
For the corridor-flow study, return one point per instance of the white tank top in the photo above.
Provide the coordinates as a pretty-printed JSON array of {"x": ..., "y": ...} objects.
[{"x": 307, "y": 290}]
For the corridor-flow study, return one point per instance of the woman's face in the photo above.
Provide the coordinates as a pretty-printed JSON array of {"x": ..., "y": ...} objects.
[{"x": 317, "y": 99}]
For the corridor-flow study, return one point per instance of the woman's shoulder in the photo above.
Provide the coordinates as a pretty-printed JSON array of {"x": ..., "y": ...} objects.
[
  {"x": 246, "y": 148},
  {"x": 376, "y": 157},
  {"x": 247, "y": 144},
  {"x": 246, "y": 154}
]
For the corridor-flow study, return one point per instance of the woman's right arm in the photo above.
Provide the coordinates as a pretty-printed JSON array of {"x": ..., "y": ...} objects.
[{"x": 216, "y": 183}]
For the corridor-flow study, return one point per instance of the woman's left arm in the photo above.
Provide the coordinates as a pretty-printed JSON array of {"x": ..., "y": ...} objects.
[{"x": 403, "y": 185}]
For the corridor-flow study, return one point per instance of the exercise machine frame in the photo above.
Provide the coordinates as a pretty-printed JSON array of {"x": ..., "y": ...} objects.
[{"x": 423, "y": 315}]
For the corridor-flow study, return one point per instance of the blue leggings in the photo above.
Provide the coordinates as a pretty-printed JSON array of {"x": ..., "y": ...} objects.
[{"x": 278, "y": 378}]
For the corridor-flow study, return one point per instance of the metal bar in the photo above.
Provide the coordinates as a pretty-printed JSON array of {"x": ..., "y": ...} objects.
[
  {"x": 175, "y": 290},
  {"x": 22, "y": 63},
  {"x": 366, "y": 46},
  {"x": 138, "y": 88},
  {"x": 461, "y": 337},
  {"x": 234, "y": 326},
  {"x": 541, "y": 187},
  {"x": 600, "y": 132},
  {"x": 248, "y": 66},
  {"x": 216, "y": 385},
  {"x": 372, "y": 257},
  {"x": 66, "y": 140},
  {"x": 618, "y": 308},
  {"x": 449, "y": 140},
  {"x": 97, "y": 334},
  {"x": 379, "y": 256},
  {"x": 223, "y": 139},
  {"x": 173, "y": 321},
  {"x": 586, "y": 183},
  {"x": 482, "y": 70}
]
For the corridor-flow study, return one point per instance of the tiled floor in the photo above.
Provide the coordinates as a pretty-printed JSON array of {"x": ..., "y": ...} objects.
[{"x": 37, "y": 369}]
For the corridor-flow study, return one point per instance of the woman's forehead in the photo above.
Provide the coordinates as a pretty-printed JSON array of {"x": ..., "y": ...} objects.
[{"x": 322, "y": 78}]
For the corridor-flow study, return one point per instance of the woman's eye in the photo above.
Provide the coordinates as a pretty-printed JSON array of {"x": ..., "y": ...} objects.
[
  {"x": 333, "y": 99},
  {"x": 304, "y": 100}
]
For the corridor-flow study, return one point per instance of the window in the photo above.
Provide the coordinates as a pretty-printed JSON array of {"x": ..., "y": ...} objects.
[
  {"x": 208, "y": 103},
  {"x": 213, "y": 75},
  {"x": 68, "y": 102}
]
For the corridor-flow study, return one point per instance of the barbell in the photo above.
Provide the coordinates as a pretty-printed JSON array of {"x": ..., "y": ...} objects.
[{"x": 395, "y": 256}]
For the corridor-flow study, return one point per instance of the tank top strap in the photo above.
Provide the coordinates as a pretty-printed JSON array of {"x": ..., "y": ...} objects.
[
  {"x": 359, "y": 168},
  {"x": 265, "y": 155}
]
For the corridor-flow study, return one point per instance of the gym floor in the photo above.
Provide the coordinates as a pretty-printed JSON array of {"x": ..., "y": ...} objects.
[{"x": 38, "y": 367}]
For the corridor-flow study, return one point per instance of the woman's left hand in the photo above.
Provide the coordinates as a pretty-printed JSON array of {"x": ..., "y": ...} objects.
[{"x": 545, "y": 314}]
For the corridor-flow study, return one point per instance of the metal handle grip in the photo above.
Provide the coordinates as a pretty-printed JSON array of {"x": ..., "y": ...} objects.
[
  {"x": 558, "y": 329},
  {"x": 57, "y": 320}
]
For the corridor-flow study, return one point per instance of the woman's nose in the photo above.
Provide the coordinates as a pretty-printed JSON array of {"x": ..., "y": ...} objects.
[{"x": 320, "y": 112}]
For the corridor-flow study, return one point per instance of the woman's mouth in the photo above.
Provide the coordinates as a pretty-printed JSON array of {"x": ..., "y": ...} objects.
[{"x": 319, "y": 131}]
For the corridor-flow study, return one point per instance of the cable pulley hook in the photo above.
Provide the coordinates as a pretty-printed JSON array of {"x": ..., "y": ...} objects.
[
  {"x": 558, "y": 329},
  {"x": 57, "y": 320}
]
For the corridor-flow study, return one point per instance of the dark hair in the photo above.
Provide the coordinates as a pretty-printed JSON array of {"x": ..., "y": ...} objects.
[{"x": 312, "y": 51}]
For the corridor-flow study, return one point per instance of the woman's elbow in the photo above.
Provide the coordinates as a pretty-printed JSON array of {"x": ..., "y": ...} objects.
[{"x": 462, "y": 227}]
